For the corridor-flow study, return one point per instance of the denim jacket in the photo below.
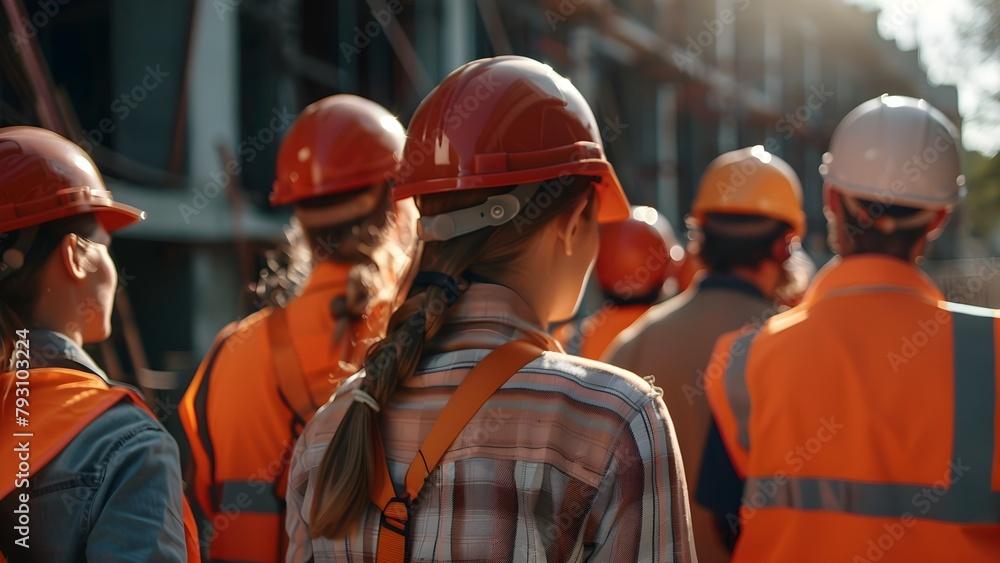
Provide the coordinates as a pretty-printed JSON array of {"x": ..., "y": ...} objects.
[{"x": 113, "y": 494}]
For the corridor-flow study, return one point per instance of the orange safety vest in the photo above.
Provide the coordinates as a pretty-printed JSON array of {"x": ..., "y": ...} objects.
[
  {"x": 63, "y": 402},
  {"x": 478, "y": 386},
  {"x": 239, "y": 483},
  {"x": 865, "y": 422}
]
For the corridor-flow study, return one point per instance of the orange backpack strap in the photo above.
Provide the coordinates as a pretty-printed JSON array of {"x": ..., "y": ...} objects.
[
  {"x": 470, "y": 396},
  {"x": 291, "y": 379}
]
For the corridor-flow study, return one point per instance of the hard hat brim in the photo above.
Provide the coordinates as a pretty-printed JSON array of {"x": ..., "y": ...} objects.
[
  {"x": 797, "y": 223},
  {"x": 119, "y": 216},
  {"x": 112, "y": 216},
  {"x": 282, "y": 193},
  {"x": 614, "y": 205},
  {"x": 888, "y": 196}
]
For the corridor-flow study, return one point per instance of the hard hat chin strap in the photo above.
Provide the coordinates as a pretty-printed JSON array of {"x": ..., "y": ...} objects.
[
  {"x": 885, "y": 223},
  {"x": 13, "y": 257},
  {"x": 495, "y": 211}
]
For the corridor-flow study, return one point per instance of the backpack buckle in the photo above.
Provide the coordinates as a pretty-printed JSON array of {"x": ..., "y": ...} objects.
[{"x": 396, "y": 515}]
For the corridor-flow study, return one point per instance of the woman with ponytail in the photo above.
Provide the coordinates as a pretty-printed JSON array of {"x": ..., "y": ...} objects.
[
  {"x": 89, "y": 472},
  {"x": 267, "y": 374},
  {"x": 468, "y": 435}
]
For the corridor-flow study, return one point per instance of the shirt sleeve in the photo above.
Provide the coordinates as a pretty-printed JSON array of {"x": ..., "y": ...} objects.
[
  {"x": 299, "y": 540},
  {"x": 137, "y": 513},
  {"x": 641, "y": 512}
]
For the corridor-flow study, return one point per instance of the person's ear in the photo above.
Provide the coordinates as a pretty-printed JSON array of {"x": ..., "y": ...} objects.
[
  {"x": 937, "y": 225},
  {"x": 572, "y": 222},
  {"x": 74, "y": 257}
]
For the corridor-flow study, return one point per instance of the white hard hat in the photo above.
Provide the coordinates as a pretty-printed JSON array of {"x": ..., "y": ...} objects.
[{"x": 896, "y": 150}]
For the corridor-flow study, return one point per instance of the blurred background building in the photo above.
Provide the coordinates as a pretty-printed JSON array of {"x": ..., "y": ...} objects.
[{"x": 183, "y": 104}]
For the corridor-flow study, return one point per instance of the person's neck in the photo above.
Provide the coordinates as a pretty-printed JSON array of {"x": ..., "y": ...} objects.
[
  {"x": 70, "y": 329},
  {"x": 526, "y": 286},
  {"x": 763, "y": 277}
]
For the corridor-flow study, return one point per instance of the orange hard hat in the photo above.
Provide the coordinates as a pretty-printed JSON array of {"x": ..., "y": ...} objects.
[
  {"x": 338, "y": 144},
  {"x": 45, "y": 177},
  {"x": 751, "y": 181},
  {"x": 637, "y": 255},
  {"x": 505, "y": 121}
]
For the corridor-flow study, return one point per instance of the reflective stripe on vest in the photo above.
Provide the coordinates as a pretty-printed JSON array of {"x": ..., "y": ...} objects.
[
  {"x": 735, "y": 380},
  {"x": 968, "y": 500}
]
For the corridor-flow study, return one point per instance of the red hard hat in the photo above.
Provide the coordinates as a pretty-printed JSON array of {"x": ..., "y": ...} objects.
[
  {"x": 44, "y": 177},
  {"x": 637, "y": 255},
  {"x": 501, "y": 122},
  {"x": 338, "y": 144}
]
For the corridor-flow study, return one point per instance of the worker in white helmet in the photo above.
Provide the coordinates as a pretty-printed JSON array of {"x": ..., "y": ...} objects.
[{"x": 864, "y": 421}]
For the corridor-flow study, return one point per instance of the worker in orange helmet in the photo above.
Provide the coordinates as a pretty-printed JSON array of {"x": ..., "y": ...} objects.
[
  {"x": 635, "y": 260},
  {"x": 865, "y": 419},
  {"x": 89, "y": 472},
  {"x": 283, "y": 362},
  {"x": 745, "y": 219},
  {"x": 469, "y": 436}
]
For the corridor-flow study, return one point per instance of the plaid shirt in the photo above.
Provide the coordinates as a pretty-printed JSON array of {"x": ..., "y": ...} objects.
[{"x": 571, "y": 460}]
